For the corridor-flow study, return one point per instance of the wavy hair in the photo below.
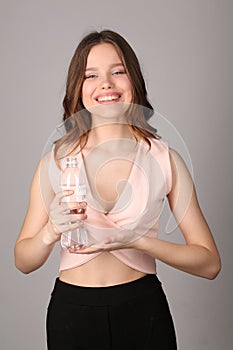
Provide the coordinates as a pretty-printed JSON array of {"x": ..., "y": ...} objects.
[{"x": 77, "y": 120}]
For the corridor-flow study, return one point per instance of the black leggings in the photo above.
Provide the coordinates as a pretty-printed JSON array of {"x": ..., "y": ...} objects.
[{"x": 129, "y": 316}]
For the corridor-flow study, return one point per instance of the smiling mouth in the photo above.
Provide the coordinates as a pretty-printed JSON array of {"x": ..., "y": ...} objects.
[{"x": 108, "y": 99}]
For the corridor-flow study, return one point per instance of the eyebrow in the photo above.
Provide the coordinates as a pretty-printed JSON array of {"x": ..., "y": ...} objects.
[{"x": 111, "y": 66}]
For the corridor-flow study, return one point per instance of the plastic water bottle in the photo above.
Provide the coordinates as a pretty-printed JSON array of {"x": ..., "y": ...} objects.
[{"x": 70, "y": 181}]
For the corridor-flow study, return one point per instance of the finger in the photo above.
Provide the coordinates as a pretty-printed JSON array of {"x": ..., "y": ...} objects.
[
  {"x": 65, "y": 208},
  {"x": 122, "y": 237},
  {"x": 75, "y": 207},
  {"x": 60, "y": 195},
  {"x": 72, "y": 218},
  {"x": 55, "y": 205},
  {"x": 64, "y": 227},
  {"x": 109, "y": 240},
  {"x": 119, "y": 238},
  {"x": 79, "y": 206},
  {"x": 84, "y": 250}
]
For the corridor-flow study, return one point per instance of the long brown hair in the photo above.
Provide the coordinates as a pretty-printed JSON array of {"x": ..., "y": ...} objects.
[{"x": 77, "y": 119}]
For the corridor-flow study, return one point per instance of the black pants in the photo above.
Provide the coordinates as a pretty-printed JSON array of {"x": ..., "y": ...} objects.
[{"x": 130, "y": 316}]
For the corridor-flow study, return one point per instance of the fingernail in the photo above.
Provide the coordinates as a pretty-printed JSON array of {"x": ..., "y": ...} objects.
[{"x": 69, "y": 191}]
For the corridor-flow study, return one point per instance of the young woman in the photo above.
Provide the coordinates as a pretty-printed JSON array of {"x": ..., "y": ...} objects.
[{"x": 108, "y": 295}]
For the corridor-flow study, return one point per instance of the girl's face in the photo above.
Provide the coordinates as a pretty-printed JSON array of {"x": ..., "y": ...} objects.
[{"x": 106, "y": 81}]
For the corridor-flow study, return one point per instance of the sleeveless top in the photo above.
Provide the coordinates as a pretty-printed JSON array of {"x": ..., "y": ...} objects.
[{"x": 137, "y": 209}]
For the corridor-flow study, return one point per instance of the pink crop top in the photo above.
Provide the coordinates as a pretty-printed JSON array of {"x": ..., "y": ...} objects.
[{"x": 138, "y": 208}]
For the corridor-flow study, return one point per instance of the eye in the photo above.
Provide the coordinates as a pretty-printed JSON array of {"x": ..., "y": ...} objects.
[
  {"x": 119, "y": 72},
  {"x": 91, "y": 76}
]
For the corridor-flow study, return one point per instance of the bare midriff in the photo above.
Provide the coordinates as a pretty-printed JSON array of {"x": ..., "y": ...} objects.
[{"x": 104, "y": 270}]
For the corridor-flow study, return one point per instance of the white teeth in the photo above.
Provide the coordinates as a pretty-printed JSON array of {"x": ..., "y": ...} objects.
[{"x": 108, "y": 98}]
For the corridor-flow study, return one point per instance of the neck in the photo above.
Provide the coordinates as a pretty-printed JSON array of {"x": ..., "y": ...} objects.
[{"x": 109, "y": 132}]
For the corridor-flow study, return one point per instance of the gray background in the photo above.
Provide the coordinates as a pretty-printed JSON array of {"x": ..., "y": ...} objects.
[{"x": 185, "y": 50}]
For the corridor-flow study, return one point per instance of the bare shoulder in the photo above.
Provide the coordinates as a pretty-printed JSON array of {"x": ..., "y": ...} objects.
[
  {"x": 180, "y": 171},
  {"x": 176, "y": 159}
]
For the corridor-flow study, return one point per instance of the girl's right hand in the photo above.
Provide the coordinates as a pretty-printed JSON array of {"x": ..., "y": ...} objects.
[{"x": 60, "y": 220}]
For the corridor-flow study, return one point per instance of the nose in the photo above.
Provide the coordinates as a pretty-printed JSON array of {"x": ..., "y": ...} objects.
[{"x": 107, "y": 82}]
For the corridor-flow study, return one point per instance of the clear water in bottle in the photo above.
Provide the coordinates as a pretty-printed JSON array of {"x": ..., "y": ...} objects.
[{"x": 70, "y": 181}]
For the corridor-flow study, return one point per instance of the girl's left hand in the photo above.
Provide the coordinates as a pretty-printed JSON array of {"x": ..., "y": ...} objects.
[{"x": 125, "y": 239}]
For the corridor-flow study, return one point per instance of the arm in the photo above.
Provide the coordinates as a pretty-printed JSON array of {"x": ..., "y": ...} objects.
[
  {"x": 44, "y": 223},
  {"x": 199, "y": 256},
  {"x": 33, "y": 247}
]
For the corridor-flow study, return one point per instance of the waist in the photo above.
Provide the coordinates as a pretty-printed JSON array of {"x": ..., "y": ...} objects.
[
  {"x": 103, "y": 270},
  {"x": 106, "y": 295}
]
